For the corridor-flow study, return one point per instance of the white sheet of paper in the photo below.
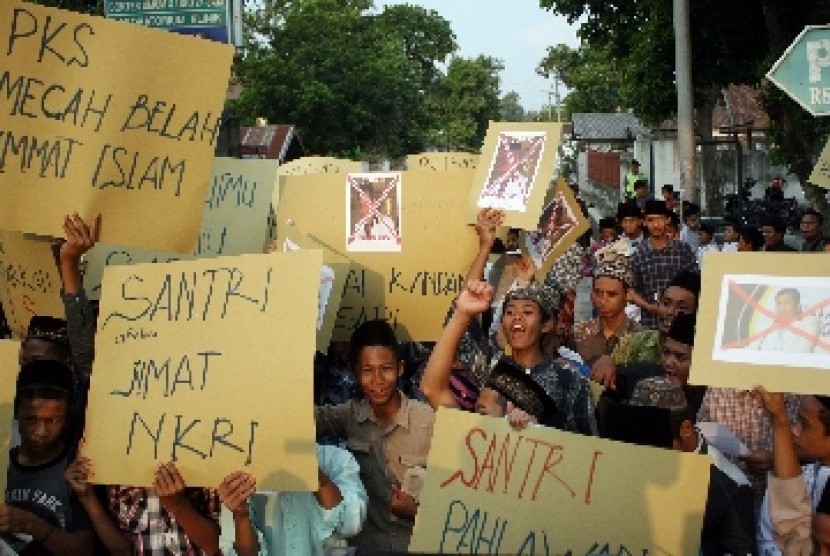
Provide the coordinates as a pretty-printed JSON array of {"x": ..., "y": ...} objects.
[{"x": 721, "y": 437}]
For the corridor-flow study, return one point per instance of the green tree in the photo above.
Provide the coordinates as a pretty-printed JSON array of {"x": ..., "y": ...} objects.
[
  {"x": 590, "y": 73},
  {"x": 94, "y": 7},
  {"x": 510, "y": 108},
  {"x": 352, "y": 81},
  {"x": 464, "y": 102}
]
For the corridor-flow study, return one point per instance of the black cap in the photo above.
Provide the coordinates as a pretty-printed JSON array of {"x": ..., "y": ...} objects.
[
  {"x": 683, "y": 329},
  {"x": 628, "y": 210},
  {"x": 654, "y": 206},
  {"x": 688, "y": 280},
  {"x": 635, "y": 162},
  {"x": 45, "y": 372},
  {"x": 43, "y": 327},
  {"x": 607, "y": 222},
  {"x": 513, "y": 383}
]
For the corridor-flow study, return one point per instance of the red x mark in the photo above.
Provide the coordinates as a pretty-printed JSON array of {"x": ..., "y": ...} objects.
[
  {"x": 535, "y": 146},
  {"x": 373, "y": 207},
  {"x": 778, "y": 324}
]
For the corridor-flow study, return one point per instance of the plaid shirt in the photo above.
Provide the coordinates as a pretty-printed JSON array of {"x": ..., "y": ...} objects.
[
  {"x": 745, "y": 417},
  {"x": 654, "y": 268},
  {"x": 155, "y": 532}
]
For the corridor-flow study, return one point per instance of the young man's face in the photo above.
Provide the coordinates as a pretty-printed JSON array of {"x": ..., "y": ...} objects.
[
  {"x": 810, "y": 228},
  {"x": 729, "y": 234},
  {"x": 522, "y": 324},
  {"x": 511, "y": 242},
  {"x": 704, "y": 237},
  {"x": 378, "y": 370},
  {"x": 675, "y": 301},
  {"x": 676, "y": 360},
  {"x": 607, "y": 234},
  {"x": 744, "y": 246},
  {"x": 809, "y": 435},
  {"x": 657, "y": 225},
  {"x": 771, "y": 236},
  {"x": 641, "y": 192},
  {"x": 41, "y": 423},
  {"x": 692, "y": 221},
  {"x": 608, "y": 296},
  {"x": 631, "y": 226}
]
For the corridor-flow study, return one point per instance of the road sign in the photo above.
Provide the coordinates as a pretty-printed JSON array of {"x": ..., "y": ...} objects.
[
  {"x": 212, "y": 19},
  {"x": 803, "y": 71}
]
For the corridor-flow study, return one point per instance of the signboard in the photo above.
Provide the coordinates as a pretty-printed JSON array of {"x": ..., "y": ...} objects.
[
  {"x": 821, "y": 171},
  {"x": 29, "y": 280},
  {"x": 770, "y": 315},
  {"x": 210, "y": 19},
  {"x": 208, "y": 364},
  {"x": 491, "y": 489},
  {"x": 442, "y": 161},
  {"x": 803, "y": 71},
  {"x": 105, "y": 117}
]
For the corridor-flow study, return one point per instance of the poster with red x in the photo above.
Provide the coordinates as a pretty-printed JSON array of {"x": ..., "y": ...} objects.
[
  {"x": 764, "y": 318},
  {"x": 373, "y": 212}
]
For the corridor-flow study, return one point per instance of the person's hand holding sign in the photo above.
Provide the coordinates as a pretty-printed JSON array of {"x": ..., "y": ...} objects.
[{"x": 475, "y": 298}]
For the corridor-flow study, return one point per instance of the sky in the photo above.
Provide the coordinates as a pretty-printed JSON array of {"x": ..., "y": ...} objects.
[{"x": 517, "y": 32}]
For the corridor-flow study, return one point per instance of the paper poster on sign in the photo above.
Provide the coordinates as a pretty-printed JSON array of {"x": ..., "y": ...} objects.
[
  {"x": 373, "y": 212},
  {"x": 560, "y": 225},
  {"x": 413, "y": 288},
  {"x": 29, "y": 280},
  {"x": 492, "y": 489},
  {"x": 234, "y": 222},
  {"x": 770, "y": 318},
  {"x": 333, "y": 275},
  {"x": 821, "y": 171},
  {"x": 514, "y": 171},
  {"x": 442, "y": 161},
  {"x": 82, "y": 133},
  {"x": 186, "y": 370},
  {"x": 9, "y": 367}
]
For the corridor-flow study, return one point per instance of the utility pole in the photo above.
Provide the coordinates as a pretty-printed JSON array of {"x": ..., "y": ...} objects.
[
  {"x": 685, "y": 117},
  {"x": 553, "y": 94}
]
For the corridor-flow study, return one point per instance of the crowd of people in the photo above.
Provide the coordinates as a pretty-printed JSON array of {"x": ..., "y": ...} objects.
[{"x": 518, "y": 356}]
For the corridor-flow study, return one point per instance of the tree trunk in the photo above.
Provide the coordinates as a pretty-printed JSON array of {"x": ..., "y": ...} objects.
[{"x": 712, "y": 178}]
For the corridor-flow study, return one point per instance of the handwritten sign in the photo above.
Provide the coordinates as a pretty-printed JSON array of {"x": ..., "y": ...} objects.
[
  {"x": 771, "y": 323},
  {"x": 29, "y": 280},
  {"x": 208, "y": 364},
  {"x": 491, "y": 489},
  {"x": 821, "y": 171},
  {"x": 442, "y": 161},
  {"x": 103, "y": 116},
  {"x": 333, "y": 275},
  {"x": 235, "y": 221},
  {"x": 413, "y": 288},
  {"x": 320, "y": 165},
  {"x": 9, "y": 367},
  {"x": 514, "y": 171}
]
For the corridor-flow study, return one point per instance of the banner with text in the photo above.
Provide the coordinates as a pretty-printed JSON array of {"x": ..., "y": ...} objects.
[
  {"x": 412, "y": 287},
  {"x": 104, "y": 116},
  {"x": 492, "y": 489},
  {"x": 442, "y": 161},
  {"x": 207, "y": 364},
  {"x": 29, "y": 280}
]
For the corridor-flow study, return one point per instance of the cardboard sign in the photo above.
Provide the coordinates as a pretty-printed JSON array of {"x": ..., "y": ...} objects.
[
  {"x": 768, "y": 323},
  {"x": 821, "y": 171},
  {"x": 235, "y": 221},
  {"x": 333, "y": 275},
  {"x": 319, "y": 165},
  {"x": 411, "y": 289},
  {"x": 9, "y": 367},
  {"x": 514, "y": 171},
  {"x": 560, "y": 225},
  {"x": 491, "y": 489},
  {"x": 208, "y": 364},
  {"x": 442, "y": 161},
  {"x": 29, "y": 280},
  {"x": 103, "y": 116}
]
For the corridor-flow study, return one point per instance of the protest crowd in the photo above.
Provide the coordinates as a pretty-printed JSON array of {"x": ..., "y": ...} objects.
[{"x": 518, "y": 358}]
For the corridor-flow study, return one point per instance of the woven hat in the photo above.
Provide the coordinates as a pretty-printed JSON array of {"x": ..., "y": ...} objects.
[
  {"x": 566, "y": 271},
  {"x": 612, "y": 261},
  {"x": 512, "y": 382},
  {"x": 545, "y": 296},
  {"x": 658, "y": 391}
]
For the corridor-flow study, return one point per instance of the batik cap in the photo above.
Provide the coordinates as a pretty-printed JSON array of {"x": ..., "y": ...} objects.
[
  {"x": 524, "y": 391},
  {"x": 658, "y": 391},
  {"x": 42, "y": 327},
  {"x": 545, "y": 296},
  {"x": 612, "y": 261}
]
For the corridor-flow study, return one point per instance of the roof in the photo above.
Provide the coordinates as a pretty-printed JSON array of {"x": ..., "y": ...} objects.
[
  {"x": 269, "y": 141},
  {"x": 607, "y": 127},
  {"x": 740, "y": 109}
]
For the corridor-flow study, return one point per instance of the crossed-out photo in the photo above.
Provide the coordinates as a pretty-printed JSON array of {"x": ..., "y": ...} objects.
[
  {"x": 769, "y": 320},
  {"x": 557, "y": 220},
  {"x": 513, "y": 170},
  {"x": 373, "y": 212}
]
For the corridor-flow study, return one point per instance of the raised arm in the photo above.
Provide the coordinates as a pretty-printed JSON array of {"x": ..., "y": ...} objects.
[
  {"x": 487, "y": 223},
  {"x": 474, "y": 299}
]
